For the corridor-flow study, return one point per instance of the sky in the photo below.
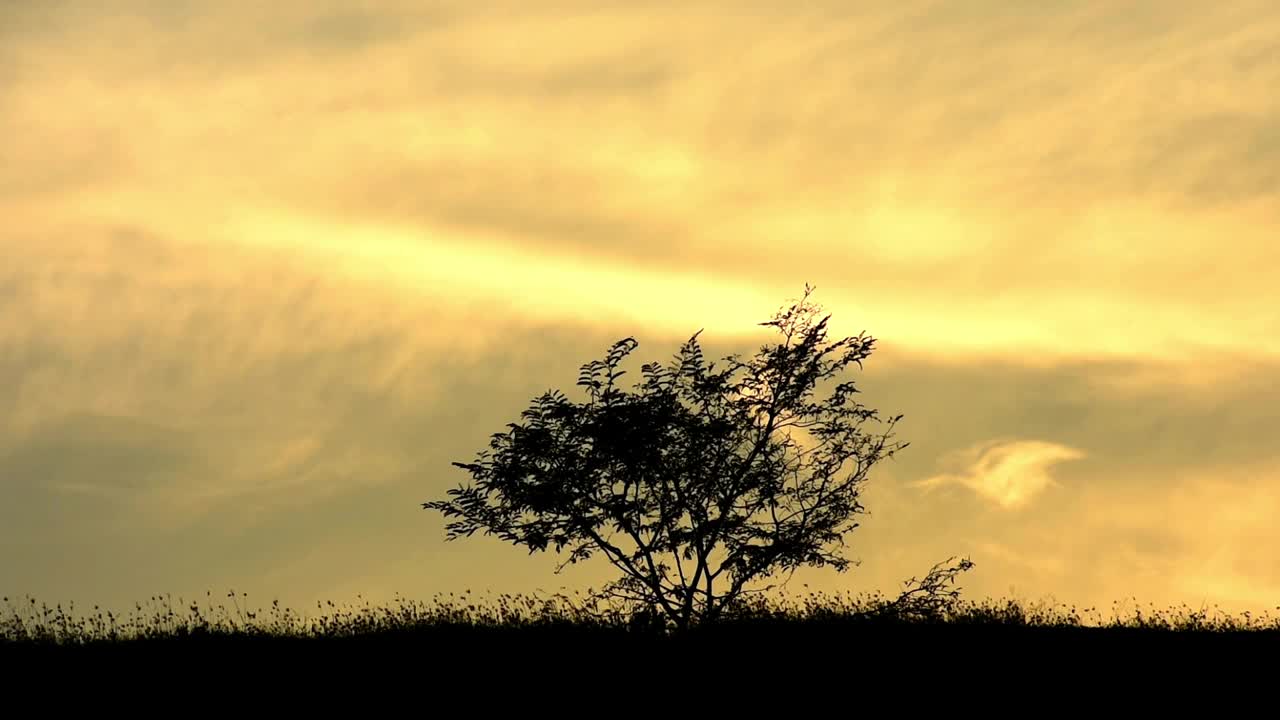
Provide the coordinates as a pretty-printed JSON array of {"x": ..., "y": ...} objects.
[{"x": 267, "y": 269}]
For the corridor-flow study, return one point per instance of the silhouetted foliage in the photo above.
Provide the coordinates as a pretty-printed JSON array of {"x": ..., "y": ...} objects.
[
  {"x": 695, "y": 486},
  {"x": 468, "y": 618}
]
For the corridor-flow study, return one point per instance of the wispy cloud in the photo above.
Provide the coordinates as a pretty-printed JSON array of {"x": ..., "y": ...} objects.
[
  {"x": 1009, "y": 473},
  {"x": 970, "y": 177}
]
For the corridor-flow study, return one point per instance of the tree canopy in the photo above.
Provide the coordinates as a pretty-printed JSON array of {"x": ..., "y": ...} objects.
[{"x": 703, "y": 481}]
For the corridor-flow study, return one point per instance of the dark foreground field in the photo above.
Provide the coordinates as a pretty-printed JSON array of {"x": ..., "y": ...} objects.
[{"x": 457, "y": 636}]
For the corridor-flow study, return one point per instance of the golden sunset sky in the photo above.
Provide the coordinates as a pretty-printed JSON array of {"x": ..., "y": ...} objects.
[{"x": 266, "y": 269}]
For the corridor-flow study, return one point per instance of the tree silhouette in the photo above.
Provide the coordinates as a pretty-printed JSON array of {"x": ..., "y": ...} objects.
[{"x": 692, "y": 501}]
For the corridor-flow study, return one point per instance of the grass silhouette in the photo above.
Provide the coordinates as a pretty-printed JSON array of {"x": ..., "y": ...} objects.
[
  {"x": 452, "y": 617},
  {"x": 462, "y": 645}
]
